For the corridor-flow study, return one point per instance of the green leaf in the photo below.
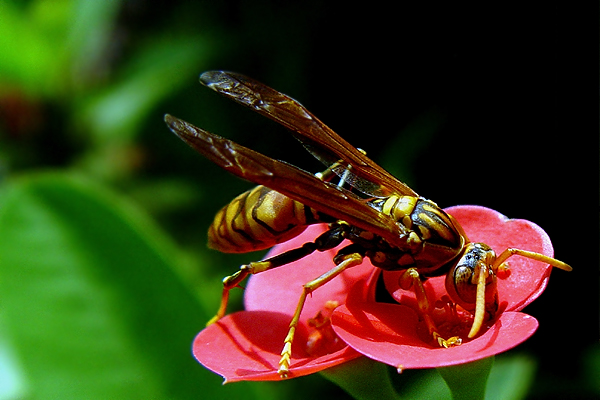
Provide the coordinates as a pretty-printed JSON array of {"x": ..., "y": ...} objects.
[
  {"x": 90, "y": 305},
  {"x": 115, "y": 114},
  {"x": 31, "y": 59},
  {"x": 90, "y": 30}
]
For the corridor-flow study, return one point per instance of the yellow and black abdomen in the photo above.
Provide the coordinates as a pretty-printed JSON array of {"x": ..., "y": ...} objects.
[{"x": 258, "y": 219}]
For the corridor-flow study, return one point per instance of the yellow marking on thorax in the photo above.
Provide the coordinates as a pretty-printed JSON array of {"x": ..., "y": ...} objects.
[
  {"x": 388, "y": 205},
  {"x": 402, "y": 209},
  {"x": 425, "y": 233},
  {"x": 441, "y": 226}
]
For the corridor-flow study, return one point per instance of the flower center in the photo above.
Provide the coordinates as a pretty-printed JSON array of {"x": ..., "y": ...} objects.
[
  {"x": 321, "y": 338},
  {"x": 450, "y": 320}
]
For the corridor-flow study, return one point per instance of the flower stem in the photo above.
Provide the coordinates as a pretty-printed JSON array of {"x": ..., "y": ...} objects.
[
  {"x": 468, "y": 381},
  {"x": 363, "y": 379}
]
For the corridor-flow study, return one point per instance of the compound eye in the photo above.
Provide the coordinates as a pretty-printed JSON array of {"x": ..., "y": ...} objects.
[{"x": 460, "y": 287}]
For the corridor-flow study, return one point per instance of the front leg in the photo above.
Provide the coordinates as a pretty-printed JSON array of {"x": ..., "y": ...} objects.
[
  {"x": 412, "y": 279},
  {"x": 326, "y": 241}
]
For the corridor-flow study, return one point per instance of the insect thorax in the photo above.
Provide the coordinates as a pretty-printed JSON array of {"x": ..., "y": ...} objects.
[{"x": 432, "y": 238}]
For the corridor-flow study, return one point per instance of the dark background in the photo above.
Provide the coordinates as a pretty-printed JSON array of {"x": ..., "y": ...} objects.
[{"x": 487, "y": 104}]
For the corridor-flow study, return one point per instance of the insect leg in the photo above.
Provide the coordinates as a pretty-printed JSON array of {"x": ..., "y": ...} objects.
[
  {"x": 348, "y": 261},
  {"x": 411, "y": 278},
  {"x": 328, "y": 240}
]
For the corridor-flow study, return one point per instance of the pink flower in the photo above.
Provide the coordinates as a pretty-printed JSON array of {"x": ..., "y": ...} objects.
[
  {"x": 246, "y": 345},
  {"x": 389, "y": 332}
]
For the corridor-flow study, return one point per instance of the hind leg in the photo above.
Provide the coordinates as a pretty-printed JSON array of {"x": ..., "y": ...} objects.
[{"x": 326, "y": 241}]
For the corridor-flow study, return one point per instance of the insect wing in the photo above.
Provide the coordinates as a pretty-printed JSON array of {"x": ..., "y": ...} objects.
[
  {"x": 317, "y": 137},
  {"x": 288, "y": 180}
]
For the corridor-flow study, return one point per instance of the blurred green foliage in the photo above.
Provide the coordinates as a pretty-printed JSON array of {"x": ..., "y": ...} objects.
[{"x": 104, "y": 276}]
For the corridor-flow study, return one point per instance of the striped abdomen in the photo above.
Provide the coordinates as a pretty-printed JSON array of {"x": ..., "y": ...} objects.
[{"x": 258, "y": 219}]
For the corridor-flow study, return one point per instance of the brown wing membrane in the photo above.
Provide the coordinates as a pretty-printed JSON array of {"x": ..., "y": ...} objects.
[
  {"x": 287, "y": 179},
  {"x": 308, "y": 129}
]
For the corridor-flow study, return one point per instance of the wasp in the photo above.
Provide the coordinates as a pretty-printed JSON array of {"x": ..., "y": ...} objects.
[{"x": 382, "y": 218}]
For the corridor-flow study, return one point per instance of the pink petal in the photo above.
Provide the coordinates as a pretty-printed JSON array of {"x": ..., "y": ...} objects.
[
  {"x": 247, "y": 345},
  {"x": 279, "y": 289},
  {"x": 387, "y": 333},
  {"x": 528, "y": 277}
]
